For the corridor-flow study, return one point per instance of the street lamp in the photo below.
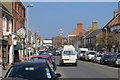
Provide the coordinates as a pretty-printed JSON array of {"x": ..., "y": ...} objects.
[
  {"x": 30, "y": 5},
  {"x": 106, "y": 38}
]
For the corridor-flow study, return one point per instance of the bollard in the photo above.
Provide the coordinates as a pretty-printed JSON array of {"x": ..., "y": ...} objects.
[{"x": 0, "y": 71}]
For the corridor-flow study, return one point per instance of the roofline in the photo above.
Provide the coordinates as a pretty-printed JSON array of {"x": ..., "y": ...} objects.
[{"x": 111, "y": 20}]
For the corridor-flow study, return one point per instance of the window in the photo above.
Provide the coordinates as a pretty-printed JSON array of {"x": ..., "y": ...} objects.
[
  {"x": 13, "y": 26},
  {"x": 17, "y": 8},
  {"x": 38, "y": 72},
  {"x": 16, "y": 25},
  {"x": 111, "y": 29},
  {"x": 14, "y": 5},
  {"x": 10, "y": 26},
  {"x": 69, "y": 53},
  {"x": 4, "y": 24}
]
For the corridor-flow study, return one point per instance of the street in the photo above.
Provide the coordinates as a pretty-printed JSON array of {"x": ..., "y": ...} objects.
[{"x": 86, "y": 70}]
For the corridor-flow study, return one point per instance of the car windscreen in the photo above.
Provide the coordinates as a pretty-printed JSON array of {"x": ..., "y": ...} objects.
[
  {"x": 99, "y": 55},
  {"x": 83, "y": 52},
  {"x": 68, "y": 53},
  {"x": 34, "y": 72},
  {"x": 92, "y": 53},
  {"x": 106, "y": 56},
  {"x": 118, "y": 57}
]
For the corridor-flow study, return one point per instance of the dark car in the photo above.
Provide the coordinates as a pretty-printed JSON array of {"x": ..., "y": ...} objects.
[
  {"x": 31, "y": 70},
  {"x": 104, "y": 58},
  {"x": 114, "y": 60}
]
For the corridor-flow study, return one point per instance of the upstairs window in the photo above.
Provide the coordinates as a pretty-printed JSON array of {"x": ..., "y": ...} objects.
[{"x": 4, "y": 24}]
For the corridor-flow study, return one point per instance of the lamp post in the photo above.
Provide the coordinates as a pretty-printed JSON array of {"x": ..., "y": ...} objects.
[
  {"x": 106, "y": 38},
  {"x": 30, "y": 5},
  {"x": 61, "y": 34}
]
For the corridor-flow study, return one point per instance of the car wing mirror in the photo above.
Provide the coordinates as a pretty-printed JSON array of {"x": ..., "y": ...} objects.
[{"x": 58, "y": 75}]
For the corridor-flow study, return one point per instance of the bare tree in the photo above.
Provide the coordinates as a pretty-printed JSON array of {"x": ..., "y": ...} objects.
[{"x": 112, "y": 39}]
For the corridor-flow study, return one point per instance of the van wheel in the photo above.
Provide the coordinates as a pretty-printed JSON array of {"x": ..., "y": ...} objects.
[{"x": 75, "y": 64}]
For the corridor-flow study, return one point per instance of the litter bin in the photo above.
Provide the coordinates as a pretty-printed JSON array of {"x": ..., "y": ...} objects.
[{"x": 0, "y": 70}]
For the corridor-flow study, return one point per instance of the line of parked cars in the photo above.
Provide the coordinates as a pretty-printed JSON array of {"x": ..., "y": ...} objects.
[
  {"x": 39, "y": 67},
  {"x": 110, "y": 58}
]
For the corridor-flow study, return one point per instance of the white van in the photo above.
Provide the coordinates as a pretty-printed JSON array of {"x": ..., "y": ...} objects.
[
  {"x": 81, "y": 53},
  {"x": 69, "y": 55}
]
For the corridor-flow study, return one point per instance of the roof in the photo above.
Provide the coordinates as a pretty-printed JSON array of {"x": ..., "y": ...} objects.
[
  {"x": 94, "y": 33},
  {"x": 114, "y": 21},
  {"x": 87, "y": 33},
  {"x": 35, "y": 62},
  {"x": 41, "y": 56}
]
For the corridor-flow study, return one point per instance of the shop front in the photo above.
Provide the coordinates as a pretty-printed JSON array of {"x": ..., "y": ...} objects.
[{"x": 5, "y": 55}]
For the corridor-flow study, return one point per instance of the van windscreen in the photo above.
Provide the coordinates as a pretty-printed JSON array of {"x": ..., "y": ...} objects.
[{"x": 68, "y": 53}]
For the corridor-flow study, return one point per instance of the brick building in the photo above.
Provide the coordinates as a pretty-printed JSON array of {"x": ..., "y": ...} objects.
[
  {"x": 12, "y": 19},
  {"x": 74, "y": 37},
  {"x": 113, "y": 26},
  {"x": 5, "y": 30},
  {"x": 18, "y": 30}
]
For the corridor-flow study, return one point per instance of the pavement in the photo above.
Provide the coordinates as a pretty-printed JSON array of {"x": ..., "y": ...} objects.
[{"x": 4, "y": 71}]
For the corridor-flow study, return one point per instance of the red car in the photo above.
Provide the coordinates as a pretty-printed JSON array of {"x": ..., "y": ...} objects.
[
  {"x": 46, "y": 57},
  {"x": 42, "y": 57}
]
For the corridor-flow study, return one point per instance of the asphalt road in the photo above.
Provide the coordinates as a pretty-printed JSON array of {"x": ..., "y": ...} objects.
[{"x": 87, "y": 70}]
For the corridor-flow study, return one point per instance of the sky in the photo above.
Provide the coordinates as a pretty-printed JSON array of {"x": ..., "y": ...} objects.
[{"x": 47, "y": 18}]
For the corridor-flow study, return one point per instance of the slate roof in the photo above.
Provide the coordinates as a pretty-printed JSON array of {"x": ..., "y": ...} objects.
[{"x": 93, "y": 33}]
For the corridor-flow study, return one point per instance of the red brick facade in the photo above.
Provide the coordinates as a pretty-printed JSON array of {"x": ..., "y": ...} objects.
[
  {"x": 18, "y": 15},
  {"x": 78, "y": 30}
]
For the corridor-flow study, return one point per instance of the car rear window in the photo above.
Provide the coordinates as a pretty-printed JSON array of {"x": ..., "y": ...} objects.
[
  {"x": 34, "y": 72},
  {"x": 83, "y": 51},
  {"x": 118, "y": 56},
  {"x": 68, "y": 53},
  {"x": 92, "y": 53},
  {"x": 99, "y": 55}
]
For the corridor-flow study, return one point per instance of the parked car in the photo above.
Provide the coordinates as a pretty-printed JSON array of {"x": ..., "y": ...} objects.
[
  {"x": 31, "y": 70},
  {"x": 69, "y": 55},
  {"x": 97, "y": 58},
  {"x": 81, "y": 53},
  {"x": 46, "y": 57},
  {"x": 56, "y": 53},
  {"x": 90, "y": 55},
  {"x": 50, "y": 55},
  {"x": 114, "y": 60},
  {"x": 104, "y": 58}
]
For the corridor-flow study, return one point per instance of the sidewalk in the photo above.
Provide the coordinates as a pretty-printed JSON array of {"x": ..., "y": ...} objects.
[{"x": 4, "y": 71}]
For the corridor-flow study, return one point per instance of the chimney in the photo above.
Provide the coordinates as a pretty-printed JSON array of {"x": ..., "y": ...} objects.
[
  {"x": 79, "y": 26},
  {"x": 89, "y": 28},
  {"x": 115, "y": 13},
  {"x": 94, "y": 25}
]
